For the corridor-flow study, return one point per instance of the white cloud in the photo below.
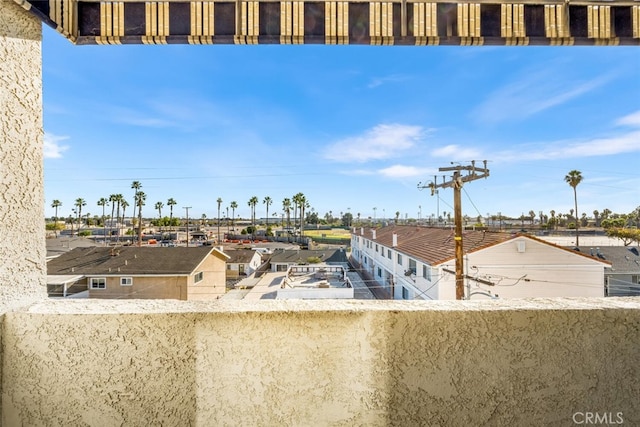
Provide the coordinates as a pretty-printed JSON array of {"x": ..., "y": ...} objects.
[
  {"x": 402, "y": 171},
  {"x": 632, "y": 119},
  {"x": 455, "y": 152},
  {"x": 381, "y": 142},
  {"x": 379, "y": 81},
  {"x": 606, "y": 146},
  {"x": 534, "y": 93},
  {"x": 52, "y": 149}
]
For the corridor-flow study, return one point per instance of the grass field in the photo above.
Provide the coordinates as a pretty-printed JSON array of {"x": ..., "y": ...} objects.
[{"x": 335, "y": 234}]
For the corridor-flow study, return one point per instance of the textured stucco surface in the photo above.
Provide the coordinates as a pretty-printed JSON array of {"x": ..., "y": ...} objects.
[
  {"x": 22, "y": 250},
  {"x": 341, "y": 363}
]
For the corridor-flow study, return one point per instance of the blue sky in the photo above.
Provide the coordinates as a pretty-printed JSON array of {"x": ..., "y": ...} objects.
[{"x": 351, "y": 127}]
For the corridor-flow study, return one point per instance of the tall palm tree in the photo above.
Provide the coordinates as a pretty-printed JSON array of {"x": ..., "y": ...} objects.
[
  {"x": 140, "y": 199},
  {"x": 573, "y": 178},
  {"x": 103, "y": 202},
  {"x": 233, "y": 206},
  {"x": 158, "y": 207},
  {"x": 252, "y": 203},
  {"x": 286, "y": 207},
  {"x": 136, "y": 185},
  {"x": 301, "y": 202},
  {"x": 113, "y": 198},
  {"x": 55, "y": 205},
  {"x": 79, "y": 203},
  {"x": 124, "y": 204},
  {"x": 267, "y": 201},
  {"x": 219, "y": 202},
  {"x": 171, "y": 203}
]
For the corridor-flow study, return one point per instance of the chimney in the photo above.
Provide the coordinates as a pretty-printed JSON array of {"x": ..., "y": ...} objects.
[
  {"x": 394, "y": 241},
  {"x": 126, "y": 262},
  {"x": 362, "y": 231},
  {"x": 373, "y": 232}
]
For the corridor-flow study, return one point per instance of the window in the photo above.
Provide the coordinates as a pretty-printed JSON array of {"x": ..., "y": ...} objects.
[
  {"x": 426, "y": 272},
  {"x": 399, "y": 259},
  {"x": 228, "y": 266},
  {"x": 412, "y": 265},
  {"x": 379, "y": 272},
  {"x": 389, "y": 253},
  {"x": 126, "y": 281},
  {"x": 198, "y": 277},
  {"x": 376, "y": 247},
  {"x": 97, "y": 283},
  {"x": 405, "y": 293}
]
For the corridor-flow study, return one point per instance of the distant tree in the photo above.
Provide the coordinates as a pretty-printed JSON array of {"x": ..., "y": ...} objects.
[
  {"x": 397, "y": 216},
  {"x": 159, "y": 206},
  {"x": 573, "y": 178},
  {"x": 140, "y": 202},
  {"x": 55, "y": 205},
  {"x": 171, "y": 203},
  {"x": 253, "y": 201},
  {"x": 627, "y": 235},
  {"x": 136, "y": 185},
  {"x": 79, "y": 203},
  {"x": 613, "y": 223},
  {"x": 532, "y": 217},
  {"x": 103, "y": 202},
  {"x": 219, "y": 202},
  {"x": 596, "y": 215},
  {"x": 267, "y": 201},
  {"x": 605, "y": 214},
  {"x": 124, "y": 205},
  {"x": 301, "y": 201},
  {"x": 286, "y": 208},
  {"x": 347, "y": 218},
  {"x": 234, "y": 206},
  {"x": 312, "y": 218}
]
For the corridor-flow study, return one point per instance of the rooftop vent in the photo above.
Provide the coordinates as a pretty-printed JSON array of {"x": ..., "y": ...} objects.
[{"x": 394, "y": 240}]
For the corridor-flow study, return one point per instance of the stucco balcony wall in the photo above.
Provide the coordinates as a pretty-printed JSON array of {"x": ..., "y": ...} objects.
[{"x": 375, "y": 363}]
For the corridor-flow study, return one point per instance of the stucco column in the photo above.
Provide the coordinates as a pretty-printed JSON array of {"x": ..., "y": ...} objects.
[{"x": 22, "y": 245}]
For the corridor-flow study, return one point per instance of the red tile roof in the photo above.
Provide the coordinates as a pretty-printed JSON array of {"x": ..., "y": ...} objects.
[
  {"x": 433, "y": 245},
  {"x": 437, "y": 245}
]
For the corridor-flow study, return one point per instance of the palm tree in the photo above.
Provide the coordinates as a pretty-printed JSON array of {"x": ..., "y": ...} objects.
[
  {"x": 219, "y": 201},
  {"x": 79, "y": 203},
  {"x": 171, "y": 203},
  {"x": 596, "y": 215},
  {"x": 136, "y": 185},
  {"x": 124, "y": 204},
  {"x": 267, "y": 201},
  {"x": 286, "y": 207},
  {"x": 252, "y": 203},
  {"x": 140, "y": 199},
  {"x": 113, "y": 198},
  {"x": 159, "y": 206},
  {"x": 56, "y": 204},
  {"x": 233, "y": 205},
  {"x": 103, "y": 202},
  {"x": 573, "y": 178},
  {"x": 301, "y": 201}
]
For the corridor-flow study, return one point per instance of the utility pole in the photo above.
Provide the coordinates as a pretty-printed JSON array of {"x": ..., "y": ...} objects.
[{"x": 456, "y": 182}]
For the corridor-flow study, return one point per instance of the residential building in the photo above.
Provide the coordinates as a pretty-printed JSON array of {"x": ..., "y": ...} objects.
[
  {"x": 413, "y": 262},
  {"x": 242, "y": 262},
  {"x": 622, "y": 277},
  {"x": 180, "y": 273}
]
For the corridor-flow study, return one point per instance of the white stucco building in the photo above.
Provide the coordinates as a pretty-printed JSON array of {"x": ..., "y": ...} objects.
[{"x": 411, "y": 262}]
